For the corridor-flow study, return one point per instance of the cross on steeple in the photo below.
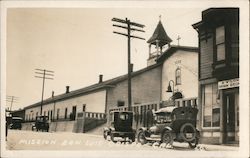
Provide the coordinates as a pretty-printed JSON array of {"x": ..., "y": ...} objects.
[
  {"x": 159, "y": 17},
  {"x": 178, "y": 38}
]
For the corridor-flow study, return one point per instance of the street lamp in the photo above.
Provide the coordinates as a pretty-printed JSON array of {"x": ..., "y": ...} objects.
[{"x": 169, "y": 87}]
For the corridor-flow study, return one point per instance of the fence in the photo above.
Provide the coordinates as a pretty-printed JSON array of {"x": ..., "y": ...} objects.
[
  {"x": 86, "y": 121},
  {"x": 192, "y": 102},
  {"x": 141, "y": 111},
  {"x": 95, "y": 115}
]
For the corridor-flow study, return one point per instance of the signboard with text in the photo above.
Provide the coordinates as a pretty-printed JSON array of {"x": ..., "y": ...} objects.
[{"x": 228, "y": 83}]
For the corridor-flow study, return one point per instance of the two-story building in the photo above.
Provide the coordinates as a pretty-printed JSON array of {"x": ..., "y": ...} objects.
[{"x": 219, "y": 75}]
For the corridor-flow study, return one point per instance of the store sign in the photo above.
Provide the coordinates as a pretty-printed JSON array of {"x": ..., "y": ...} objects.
[{"x": 228, "y": 83}]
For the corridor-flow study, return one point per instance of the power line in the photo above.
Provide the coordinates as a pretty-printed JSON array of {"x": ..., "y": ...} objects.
[
  {"x": 11, "y": 99},
  {"x": 44, "y": 75},
  {"x": 129, "y": 26}
]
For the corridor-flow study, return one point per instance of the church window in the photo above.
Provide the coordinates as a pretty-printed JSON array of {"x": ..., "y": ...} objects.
[{"x": 178, "y": 76}]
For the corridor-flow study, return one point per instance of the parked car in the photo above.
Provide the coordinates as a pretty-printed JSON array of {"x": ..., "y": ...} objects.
[
  {"x": 16, "y": 123},
  {"x": 41, "y": 124},
  {"x": 7, "y": 123},
  {"x": 172, "y": 124},
  {"x": 120, "y": 126}
]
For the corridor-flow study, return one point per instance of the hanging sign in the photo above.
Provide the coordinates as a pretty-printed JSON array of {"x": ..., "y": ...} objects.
[{"x": 228, "y": 83}]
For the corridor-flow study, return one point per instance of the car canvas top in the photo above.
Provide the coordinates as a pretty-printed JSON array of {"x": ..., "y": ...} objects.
[
  {"x": 17, "y": 118},
  {"x": 166, "y": 109}
]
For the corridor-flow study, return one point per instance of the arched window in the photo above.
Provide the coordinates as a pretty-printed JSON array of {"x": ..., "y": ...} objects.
[{"x": 178, "y": 76}]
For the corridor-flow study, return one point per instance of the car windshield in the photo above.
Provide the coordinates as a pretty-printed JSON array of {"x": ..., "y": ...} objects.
[
  {"x": 41, "y": 119},
  {"x": 163, "y": 118},
  {"x": 124, "y": 116},
  {"x": 16, "y": 120}
]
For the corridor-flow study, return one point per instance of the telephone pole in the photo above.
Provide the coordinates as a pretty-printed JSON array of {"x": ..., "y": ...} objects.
[
  {"x": 43, "y": 74},
  {"x": 11, "y": 99},
  {"x": 129, "y": 26}
]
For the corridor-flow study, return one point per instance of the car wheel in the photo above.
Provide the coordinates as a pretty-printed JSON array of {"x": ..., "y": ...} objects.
[
  {"x": 132, "y": 138},
  {"x": 112, "y": 137},
  {"x": 194, "y": 143},
  {"x": 141, "y": 137},
  {"x": 105, "y": 134},
  {"x": 188, "y": 132},
  {"x": 166, "y": 137}
]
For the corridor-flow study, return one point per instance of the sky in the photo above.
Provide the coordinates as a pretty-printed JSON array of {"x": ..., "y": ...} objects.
[{"x": 78, "y": 45}]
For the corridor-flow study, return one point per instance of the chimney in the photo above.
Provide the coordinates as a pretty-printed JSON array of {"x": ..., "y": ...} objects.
[
  {"x": 100, "y": 78},
  {"x": 53, "y": 94},
  {"x": 67, "y": 89}
]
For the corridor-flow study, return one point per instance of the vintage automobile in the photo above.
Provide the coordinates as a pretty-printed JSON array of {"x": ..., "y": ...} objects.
[
  {"x": 16, "y": 123},
  {"x": 41, "y": 124},
  {"x": 172, "y": 124},
  {"x": 120, "y": 126}
]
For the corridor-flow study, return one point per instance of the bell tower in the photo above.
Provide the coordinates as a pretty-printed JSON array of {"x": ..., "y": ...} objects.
[{"x": 158, "y": 39}]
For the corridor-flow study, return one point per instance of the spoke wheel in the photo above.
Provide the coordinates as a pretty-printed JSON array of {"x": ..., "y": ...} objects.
[
  {"x": 105, "y": 134},
  {"x": 132, "y": 138},
  {"x": 167, "y": 137},
  {"x": 112, "y": 137},
  {"x": 141, "y": 138}
]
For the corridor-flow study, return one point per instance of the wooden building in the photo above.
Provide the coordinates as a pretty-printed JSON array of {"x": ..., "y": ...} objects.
[{"x": 219, "y": 75}]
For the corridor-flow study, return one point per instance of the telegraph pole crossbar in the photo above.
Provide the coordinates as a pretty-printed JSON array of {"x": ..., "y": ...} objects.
[
  {"x": 129, "y": 36},
  {"x": 44, "y": 75},
  {"x": 11, "y": 99}
]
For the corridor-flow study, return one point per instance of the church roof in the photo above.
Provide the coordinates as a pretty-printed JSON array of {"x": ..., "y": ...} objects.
[
  {"x": 161, "y": 35},
  {"x": 172, "y": 49}
]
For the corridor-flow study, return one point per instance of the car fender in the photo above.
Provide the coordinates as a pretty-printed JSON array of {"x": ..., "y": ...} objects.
[
  {"x": 143, "y": 129},
  {"x": 167, "y": 128},
  {"x": 106, "y": 129},
  {"x": 112, "y": 129}
]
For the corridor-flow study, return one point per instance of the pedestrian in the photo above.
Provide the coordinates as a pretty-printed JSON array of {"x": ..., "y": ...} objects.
[{"x": 150, "y": 118}]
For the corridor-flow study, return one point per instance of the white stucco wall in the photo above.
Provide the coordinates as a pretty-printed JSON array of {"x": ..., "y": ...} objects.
[
  {"x": 188, "y": 63},
  {"x": 95, "y": 102},
  {"x": 32, "y": 111}
]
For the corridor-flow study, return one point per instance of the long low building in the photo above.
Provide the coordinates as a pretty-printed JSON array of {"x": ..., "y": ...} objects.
[{"x": 175, "y": 68}]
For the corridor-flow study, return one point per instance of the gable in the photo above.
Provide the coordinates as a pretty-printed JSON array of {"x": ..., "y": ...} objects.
[{"x": 174, "y": 49}]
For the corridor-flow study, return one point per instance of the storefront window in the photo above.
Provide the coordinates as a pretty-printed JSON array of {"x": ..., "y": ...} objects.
[{"x": 211, "y": 112}]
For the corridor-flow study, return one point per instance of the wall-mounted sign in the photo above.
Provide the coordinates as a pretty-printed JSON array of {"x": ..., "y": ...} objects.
[{"x": 228, "y": 83}]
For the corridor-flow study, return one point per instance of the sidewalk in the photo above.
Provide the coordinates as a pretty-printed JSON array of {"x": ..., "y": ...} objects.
[
  {"x": 222, "y": 147},
  {"x": 210, "y": 147}
]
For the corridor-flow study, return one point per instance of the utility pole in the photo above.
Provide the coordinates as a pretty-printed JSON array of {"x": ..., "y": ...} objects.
[
  {"x": 11, "y": 99},
  {"x": 129, "y": 26},
  {"x": 178, "y": 39},
  {"x": 44, "y": 74}
]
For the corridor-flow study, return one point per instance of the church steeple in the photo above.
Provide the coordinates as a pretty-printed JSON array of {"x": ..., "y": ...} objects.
[{"x": 159, "y": 39}]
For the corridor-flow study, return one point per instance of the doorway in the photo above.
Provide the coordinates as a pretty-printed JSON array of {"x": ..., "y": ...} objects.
[
  {"x": 74, "y": 112},
  {"x": 231, "y": 117}
]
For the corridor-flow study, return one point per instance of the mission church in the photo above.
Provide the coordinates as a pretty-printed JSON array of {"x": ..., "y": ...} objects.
[{"x": 170, "y": 78}]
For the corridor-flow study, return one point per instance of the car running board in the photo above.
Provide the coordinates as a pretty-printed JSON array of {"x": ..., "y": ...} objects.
[{"x": 153, "y": 138}]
